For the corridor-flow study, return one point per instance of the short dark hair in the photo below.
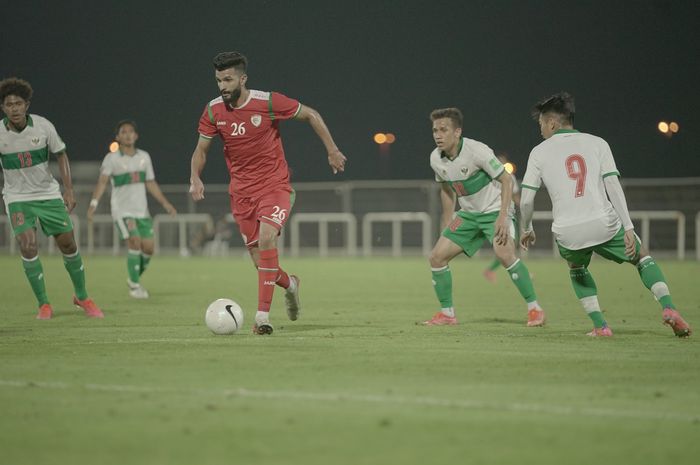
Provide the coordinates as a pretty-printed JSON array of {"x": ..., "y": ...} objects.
[
  {"x": 226, "y": 60},
  {"x": 453, "y": 114},
  {"x": 15, "y": 86},
  {"x": 561, "y": 105},
  {"x": 125, "y": 122}
]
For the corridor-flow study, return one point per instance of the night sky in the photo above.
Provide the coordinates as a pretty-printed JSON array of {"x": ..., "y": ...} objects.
[{"x": 366, "y": 67}]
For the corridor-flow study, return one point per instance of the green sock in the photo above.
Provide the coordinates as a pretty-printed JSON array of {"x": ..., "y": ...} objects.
[
  {"x": 133, "y": 265},
  {"x": 494, "y": 264},
  {"x": 587, "y": 293},
  {"x": 145, "y": 260},
  {"x": 442, "y": 282},
  {"x": 35, "y": 275},
  {"x": 520, "y": 276},
  {"x": 76, "y": 270},
  {"x": 654, "y": 280}
]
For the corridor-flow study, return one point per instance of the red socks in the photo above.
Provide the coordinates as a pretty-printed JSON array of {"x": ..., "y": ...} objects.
[{"x": 269, "y": 275}]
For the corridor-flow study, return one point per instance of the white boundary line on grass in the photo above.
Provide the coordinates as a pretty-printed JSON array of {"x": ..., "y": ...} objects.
[{"x": 546, "y": 409}]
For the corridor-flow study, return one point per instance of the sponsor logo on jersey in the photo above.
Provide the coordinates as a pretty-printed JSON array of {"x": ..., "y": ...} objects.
[
  {"x": 464, "y": 170},
  {"x": 221, "y": 123},
  {"x": 35, "y": 141},
  {"x": 256, "y": 120}
]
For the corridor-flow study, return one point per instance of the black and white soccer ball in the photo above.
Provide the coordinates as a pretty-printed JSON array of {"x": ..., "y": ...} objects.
[{"x": 224, "y": 316}]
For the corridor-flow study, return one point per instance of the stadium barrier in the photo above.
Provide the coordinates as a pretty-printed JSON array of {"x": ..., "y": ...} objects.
[
  {"x": 182, "y": 220},
  {"x": 100, "y": 220},
  {"x": 397, "y": 219},
  {"x": 323, "y": 219}
]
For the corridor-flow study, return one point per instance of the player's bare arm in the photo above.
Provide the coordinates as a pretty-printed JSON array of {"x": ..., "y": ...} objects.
[
  {"x": 617, "y": 198},
  {"x": 335, "y": 157},
  {"x": 97, "y": 195},
  {"x": 527, "y": 205},
  {"x": 153, "y": 187},
  {"x": 199, "y": 159},
  {"x": 64, "y": 169},
  {"x": 503, "y": 220},
  {"x": 447, "y": 199}
]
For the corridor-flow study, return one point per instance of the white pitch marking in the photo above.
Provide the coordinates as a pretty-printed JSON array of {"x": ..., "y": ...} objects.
[{"x": 547, "y": 409}]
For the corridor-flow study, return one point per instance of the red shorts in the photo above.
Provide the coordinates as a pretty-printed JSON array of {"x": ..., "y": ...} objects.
[{"x": 272, "y": 208}]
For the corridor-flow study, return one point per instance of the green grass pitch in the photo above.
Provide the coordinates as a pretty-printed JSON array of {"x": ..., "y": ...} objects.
[{"x": 354, "y": 381}]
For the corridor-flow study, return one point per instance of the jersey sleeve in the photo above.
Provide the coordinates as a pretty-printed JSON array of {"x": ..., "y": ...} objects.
[
  {"x": 53, "y": 140},
  {"x": 207, "y": 125},
  {"x": 107, "y": 168},
  {"x": 607, "y": 162},
  {"x": 150, "y": 173},
  {"x": 282, "y": 107},
  {"x": 533, "y": 174},
  {"x": 487, "y": 161}
]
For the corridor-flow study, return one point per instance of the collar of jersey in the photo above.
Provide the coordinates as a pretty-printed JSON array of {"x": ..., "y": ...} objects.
[
  {"x": 564, "y": 131},
  {"x": 6, "y": 122},
  {"x": 444, "y": 154},
  {"x": 250, "y": 94}
]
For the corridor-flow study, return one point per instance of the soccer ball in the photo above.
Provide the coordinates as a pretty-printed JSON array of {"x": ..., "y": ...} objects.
[{"x": 224, "y": 316}]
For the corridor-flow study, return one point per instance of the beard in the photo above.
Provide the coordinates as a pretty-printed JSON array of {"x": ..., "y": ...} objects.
[{"x": 232, "y": 98}]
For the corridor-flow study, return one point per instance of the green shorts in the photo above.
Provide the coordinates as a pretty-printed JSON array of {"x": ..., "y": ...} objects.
[
  {"x": 51, "y": 214},
  {"x": 135, "y": 227},
  {"x": 470, "y": 230},
  {"x": 614, "y": 250}
]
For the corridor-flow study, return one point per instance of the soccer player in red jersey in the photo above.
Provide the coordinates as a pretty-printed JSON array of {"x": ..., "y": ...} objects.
[{"x": 247, "y": 121}]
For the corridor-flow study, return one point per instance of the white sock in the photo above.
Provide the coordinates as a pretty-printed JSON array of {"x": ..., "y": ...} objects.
[
  {"x": 590, "y": 304},
  {"x": 292, "y": 285},
  {"x": 262, "y": 317},
  {"x": 449, "y": 311},
  {"x": 533, "y": 306}
]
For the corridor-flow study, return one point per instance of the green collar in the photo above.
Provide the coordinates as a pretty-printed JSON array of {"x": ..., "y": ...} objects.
[
  {"x": 564, "y": 131},
  {"x": 6, "y": 122},
  {"x": 444, "y": 154}
]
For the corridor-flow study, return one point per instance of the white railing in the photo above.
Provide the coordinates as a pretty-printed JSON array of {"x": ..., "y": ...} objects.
[
  {"x": 322, "y": 219},
  {"x": 397, "y": 219},
  {"x": 645, "y": 216},
  {"x": 101, "y": 220},
  {"x": 182, "y": 220}
]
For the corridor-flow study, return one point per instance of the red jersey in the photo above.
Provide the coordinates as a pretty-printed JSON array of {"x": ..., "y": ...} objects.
[{"x": 252, "y": 142}]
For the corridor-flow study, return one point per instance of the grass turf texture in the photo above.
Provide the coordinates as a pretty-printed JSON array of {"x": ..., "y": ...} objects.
[{"x": 354, "y": 381}]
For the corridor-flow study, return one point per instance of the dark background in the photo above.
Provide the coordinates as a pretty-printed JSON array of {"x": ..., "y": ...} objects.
[{"x": 367, "y": 67}]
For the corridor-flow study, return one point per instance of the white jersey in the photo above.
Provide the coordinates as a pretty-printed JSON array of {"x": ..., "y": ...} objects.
[
  {"x": 128, "y": 174},
  {"x": 572, "y": 166},
  {"x": 25, "y": 160},
  {"x": 471, "y": 174}
]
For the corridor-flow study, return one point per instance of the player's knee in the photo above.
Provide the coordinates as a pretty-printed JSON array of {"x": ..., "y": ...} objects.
[
  {"x": 436, "y": 260},
  {"x": 147, "y": 248},
  {"x": 28, "y": 249},
  {"x": 134, "y": 243},
  {"x": 267, "y": 239}
]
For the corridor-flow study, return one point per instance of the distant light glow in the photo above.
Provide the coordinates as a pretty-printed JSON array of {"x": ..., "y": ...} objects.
[
  {"x": 380, "y": 138},
  {"x": 510, "y": 168},
  {"x": 673, "y": 127},
  {"x": 663, "y": 126},
  {"x": 390, "y": 138},
  {"x": 114, "y": 146}
]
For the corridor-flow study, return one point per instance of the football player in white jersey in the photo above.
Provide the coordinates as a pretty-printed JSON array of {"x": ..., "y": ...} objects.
[
  {"x": 469, "y": 173},
  {"x": 589, "y": 210},
  {"x": 490, "y": 271},
  {"x": 130, "y": 171},
  {"x": 32, "y": 195}
]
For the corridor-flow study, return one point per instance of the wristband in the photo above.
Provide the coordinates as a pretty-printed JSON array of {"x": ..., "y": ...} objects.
[{"x": 94, "y": 203}]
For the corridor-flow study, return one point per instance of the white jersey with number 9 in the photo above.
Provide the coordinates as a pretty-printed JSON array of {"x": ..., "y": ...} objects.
[{"x": 572, "y": 166}]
